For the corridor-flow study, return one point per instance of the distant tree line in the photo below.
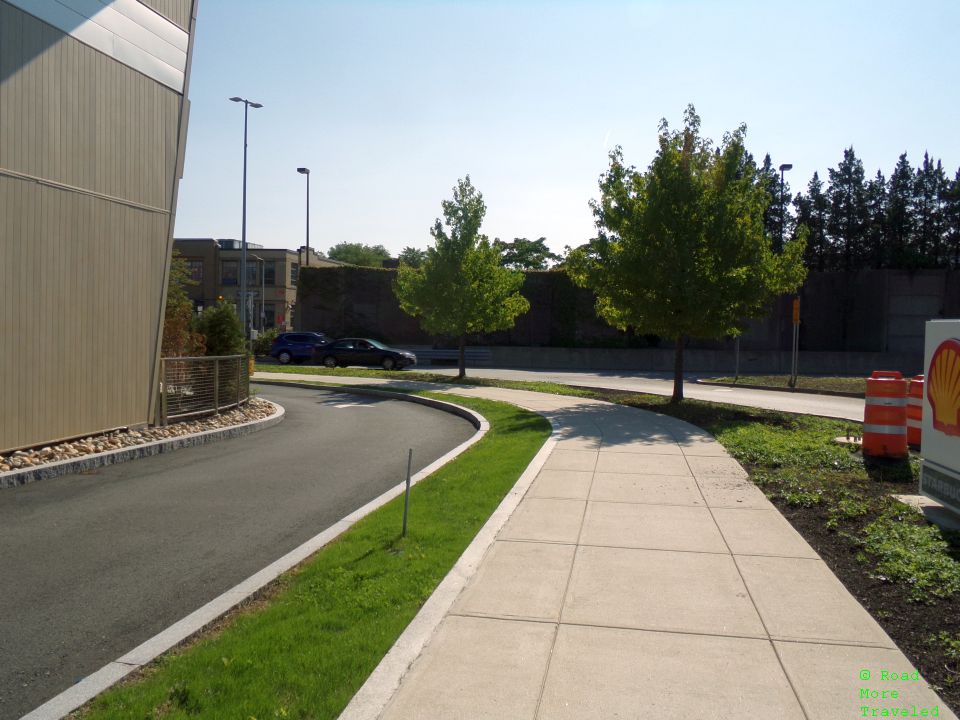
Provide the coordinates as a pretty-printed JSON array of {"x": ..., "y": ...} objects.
[{"x": 910, "y": 220}]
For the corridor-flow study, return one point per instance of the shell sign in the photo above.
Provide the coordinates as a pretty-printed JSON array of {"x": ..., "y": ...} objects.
[
  {"x": 940, "y": 442},
  {"x": 943, "y": 387}
]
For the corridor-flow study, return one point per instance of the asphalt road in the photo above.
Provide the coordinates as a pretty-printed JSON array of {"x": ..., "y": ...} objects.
[
  {"x": 93, "y": 565},
  {"x": 662, "y": 384}
]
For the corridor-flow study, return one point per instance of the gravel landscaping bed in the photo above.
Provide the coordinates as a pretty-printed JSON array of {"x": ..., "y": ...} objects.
[{"x": 75, "y": 449}]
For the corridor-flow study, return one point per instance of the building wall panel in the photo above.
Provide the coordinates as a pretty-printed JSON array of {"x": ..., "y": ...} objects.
[
  {"x": 88, "y": 149},
  {"x": 84, "y": 331},
  {"x": 76, "y": 116},
  {"x": 177, "y": 11}
]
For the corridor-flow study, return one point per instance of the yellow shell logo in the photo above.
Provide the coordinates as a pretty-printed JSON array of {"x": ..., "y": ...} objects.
[{"x": 943, "y": 387}]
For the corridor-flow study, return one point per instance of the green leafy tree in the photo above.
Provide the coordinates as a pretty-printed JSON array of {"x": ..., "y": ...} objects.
[
  {"x": 461, "y": 288},
  {"x": 359, "y": 254},
  {"x": 179, "y": 337},
  {"x": 414, "y": 257},
  {"x": 524, "y": 254},
  {"x": 681, "y": 249},
  {"x": 222, "y": 329}
]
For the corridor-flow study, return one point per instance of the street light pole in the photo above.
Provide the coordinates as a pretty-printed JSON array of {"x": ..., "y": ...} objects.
[
  {"x": 794, "y": 355},
  {"x": 306, "y": 171},
  {"x": 263, "y": 282},
  {"x": 247, "y": 104}
]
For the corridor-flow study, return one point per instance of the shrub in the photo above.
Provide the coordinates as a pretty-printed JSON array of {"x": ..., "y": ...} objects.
[
  {"x": 261, "y": 346},
  {"x": 221, "y": 327}
]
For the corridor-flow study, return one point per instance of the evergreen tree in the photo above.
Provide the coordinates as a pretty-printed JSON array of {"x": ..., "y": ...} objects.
[
  {"x": 900, "y": 220},
  {"x": 928, "y": 194},
  {"x": 819, "y": 213},
  {"x": 769, "y": 180},
  {"x": 803, "y": 210},
  {"x": 221, "y": 327},
  {"x": 951, "y": 216},
  {"x": 848, "y": 213},
  {"x": 876, "y": 230}
]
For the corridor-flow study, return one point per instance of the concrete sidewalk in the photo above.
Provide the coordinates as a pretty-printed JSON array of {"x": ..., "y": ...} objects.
[{"x": 641, "y": 575}]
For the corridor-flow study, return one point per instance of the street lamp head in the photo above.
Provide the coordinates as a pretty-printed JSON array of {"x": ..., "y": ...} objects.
[
  {"x": 247, "y": 102},
  {"x": 786, "y": 166},
  {"x": 303, "y": 171}
]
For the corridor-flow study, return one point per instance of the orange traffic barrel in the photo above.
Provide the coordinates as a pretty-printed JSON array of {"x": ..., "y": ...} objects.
[
  {"x": 885, "y": 415},
  {"x": 914, "y": 410}
]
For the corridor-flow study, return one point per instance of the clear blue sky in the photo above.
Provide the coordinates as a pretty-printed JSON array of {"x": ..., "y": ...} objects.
[{"x": 389, "y": 103}]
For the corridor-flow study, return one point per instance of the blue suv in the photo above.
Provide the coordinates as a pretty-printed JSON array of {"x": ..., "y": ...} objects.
[{"x": 296, "y": 346}]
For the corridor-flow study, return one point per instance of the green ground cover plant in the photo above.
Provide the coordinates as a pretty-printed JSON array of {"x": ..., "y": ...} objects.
[
  {"x": 305, "y": 645},
  {"x": 856, "y": 385}
]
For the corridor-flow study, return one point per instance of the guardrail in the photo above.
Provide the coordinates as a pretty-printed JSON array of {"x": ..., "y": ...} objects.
[{"x": 193, "y": 386}]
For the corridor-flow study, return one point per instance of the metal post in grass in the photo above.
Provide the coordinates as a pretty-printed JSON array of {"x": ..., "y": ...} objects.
[
  {"x": 736, "y": 359},
  {"x": 406, "y": 493}
]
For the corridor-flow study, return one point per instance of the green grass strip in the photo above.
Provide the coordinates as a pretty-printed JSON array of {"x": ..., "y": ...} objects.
[
  {"x": 804, "y": 382},
  {"x": 304, "y": 650}
]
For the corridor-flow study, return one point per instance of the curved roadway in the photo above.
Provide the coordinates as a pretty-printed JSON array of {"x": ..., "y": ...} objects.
[
  {"x": 654, "y": 383},
  {"x": 93, "y": 565},
  {"x": 662, "y": 384}
]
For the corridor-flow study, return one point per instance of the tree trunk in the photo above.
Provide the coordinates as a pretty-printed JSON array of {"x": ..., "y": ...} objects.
[
  {"x": 463, "y": 358},
  {"x": 678, "y": 372}
]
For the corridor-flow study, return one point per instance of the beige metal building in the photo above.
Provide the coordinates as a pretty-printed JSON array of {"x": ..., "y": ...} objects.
[
  {"x": 272, "y": 275},
  {"x": 93, "y": 120}
]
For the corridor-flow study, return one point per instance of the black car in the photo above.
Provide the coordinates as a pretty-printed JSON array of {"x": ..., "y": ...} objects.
[
  {"x": 363, "y": 351},
  {"x": 296, "y": 346}
]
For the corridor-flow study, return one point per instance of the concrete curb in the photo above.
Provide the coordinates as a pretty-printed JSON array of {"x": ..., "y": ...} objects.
[
  {"x": 13, "y": 478},
  {"x": 92, "y": 685},
  {"x": 802, "y": 391},
  {"x": 466, "y": 414},
  {"x": 373, "y": 696}
]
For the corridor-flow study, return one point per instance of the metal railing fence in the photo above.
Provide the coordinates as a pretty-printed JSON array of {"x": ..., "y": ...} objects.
[{"x": 193, "y": 386}]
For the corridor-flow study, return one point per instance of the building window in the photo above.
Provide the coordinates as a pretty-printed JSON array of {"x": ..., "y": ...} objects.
[
  {"x": 195, "y": 268},
  {"x": 269, "y": 316},
  {"x": 270, "y": 272},
  {"x": 229, "y": 272},
  {"x": 294, "y": 273},
  {"x": 252, "y": 274}
]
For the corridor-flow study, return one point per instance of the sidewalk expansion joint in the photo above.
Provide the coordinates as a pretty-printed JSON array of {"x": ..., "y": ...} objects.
[
  {"x": 566, "y": 589},
  {"x": 753, "y": 602}
]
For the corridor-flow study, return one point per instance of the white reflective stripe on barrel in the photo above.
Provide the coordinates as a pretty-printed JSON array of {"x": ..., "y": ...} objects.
[
  {"x": 888, "y": 401},
  {"x": 914, "y": 423},
  {"x": 915, "y": 402},
  {"x": 886, "y": 429}
]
